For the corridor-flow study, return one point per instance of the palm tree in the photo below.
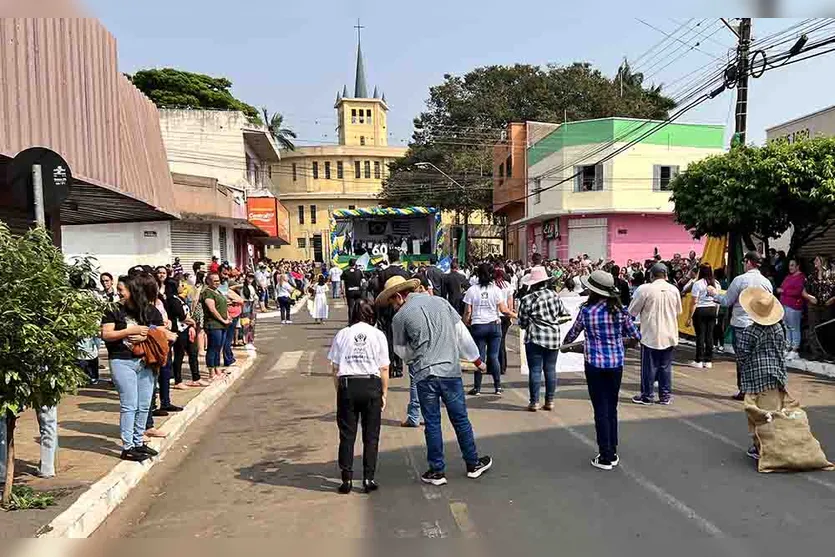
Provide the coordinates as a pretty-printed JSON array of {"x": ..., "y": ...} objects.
[{"x": 281, "y": 135}]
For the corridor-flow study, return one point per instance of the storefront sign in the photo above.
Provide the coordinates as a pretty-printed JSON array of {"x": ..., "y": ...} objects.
[
  {"x": 269, "y": 215},
  {"x": 549, "y": 230},
  {"x": 55, "y": 174}
]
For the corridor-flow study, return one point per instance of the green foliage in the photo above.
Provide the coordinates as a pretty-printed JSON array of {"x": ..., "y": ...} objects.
[
  {"x": 761, "y": 191},
  {"x": 24, "y": 497},
  {"x": 43, "y": 320},
  {"x": 282, "y": 136},
  {"x": 170, "y": 88},
  {"x": 466, "y": 115}
]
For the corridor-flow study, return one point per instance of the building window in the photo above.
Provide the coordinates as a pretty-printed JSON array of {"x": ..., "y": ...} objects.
[
  {"x": 509, "y": 167},
  {"x": 367, "y": 168},
  {"x": 368, "y": 115},
  {"x": 353, "y": 115},
  {"x": 377, "y": 174},
  {"x": 362, "y": 140},
  {"x": 327, "y": 170},
  {"x": 537, "y": 191},
  {"x": 294, "y": 172},
  {"x": 313, "y": 214},
  {"x": 315, "y": 170},
  {"x": 662, "y": 176},
  {"x": 301, "y": 214},
  {"x": 340, "y": 171},
  {"x": 501, "y": 170},
  {"x": 357, "y": 169},
  {"x": 351, "y": 207},
  {"x": 362, "y": 116},
  {"x": 588, "y": 178},
  {"x": 301, "y": 242}
]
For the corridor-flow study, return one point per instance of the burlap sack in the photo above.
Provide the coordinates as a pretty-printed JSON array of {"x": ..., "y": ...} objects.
[{"x": 781, "y": 431}]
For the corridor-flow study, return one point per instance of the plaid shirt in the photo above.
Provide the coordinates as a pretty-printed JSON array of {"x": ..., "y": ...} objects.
[
  {"x": 604, "y": 334},
  {"x": 539, "y": 313},
  {"x": 759, "y": 354}
]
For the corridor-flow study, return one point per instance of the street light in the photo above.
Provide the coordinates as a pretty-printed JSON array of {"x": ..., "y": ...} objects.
[{"x": 426, "y": 165}]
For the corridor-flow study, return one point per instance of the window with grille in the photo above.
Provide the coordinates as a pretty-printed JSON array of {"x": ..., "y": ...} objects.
[
  {"x": 367, "y": 169},
  {"x": 301, "y": 214},
  {"x": 327, "y": 170},
  {"x": 357, "y": 169},
  {"x": 662, "y": 177},
  {"x": 588, "y": 178},
  {"x": 362, "y": 140},
  {"x": 313, "y": 214},
  {"x": 301, "y": 242},
  {"x": 294, "y": 172},
  {"x": 377, "y": 173},
  {"x": 315, "y": 170},
  {"x": 353, "y": 115},
  {"x": 368, "y": 115},
  {"x": 340, "y": 171}
]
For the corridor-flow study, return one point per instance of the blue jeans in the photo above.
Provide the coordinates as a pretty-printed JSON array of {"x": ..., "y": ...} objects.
[
  {"x": 215, "y": 339},
  {"x": 488, "y": 337},
  {"x": 413, "y": 408},
  {"x": 793, "y": 320},
  {"x": 604, "y": 386},
  {"x": 48, "y": 426},
  {"x": 135, "y": 383},
  {"x": 541, "y": 359},
  {"x": 335, "y": 289},
  {"x": 228, "y": 339},
  {"x": 656, "y": 365},
  {"x": 450, "y": 390}
]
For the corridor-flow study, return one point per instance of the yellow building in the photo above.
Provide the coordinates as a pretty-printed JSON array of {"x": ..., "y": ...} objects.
[{"x": 313, "y": 181}]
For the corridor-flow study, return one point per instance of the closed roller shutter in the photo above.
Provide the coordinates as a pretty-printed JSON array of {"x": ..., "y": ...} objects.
[
  {"x": 588, "y": 236},
  {"x": 191, "y": 243},
  {"x": 823, "y": 246}
]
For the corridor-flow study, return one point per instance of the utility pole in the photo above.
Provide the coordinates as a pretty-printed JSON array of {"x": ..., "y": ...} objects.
[{"x": 741, "y": 125}]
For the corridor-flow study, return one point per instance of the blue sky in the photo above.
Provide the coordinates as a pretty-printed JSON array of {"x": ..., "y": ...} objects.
[{"x": 294, "y": 57}]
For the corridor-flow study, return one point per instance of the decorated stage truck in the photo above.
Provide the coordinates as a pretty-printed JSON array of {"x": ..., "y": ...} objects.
[{"x": 415, "y": 232}]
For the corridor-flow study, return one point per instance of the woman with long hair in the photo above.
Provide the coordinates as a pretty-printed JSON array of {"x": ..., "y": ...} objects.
[
  {"x": 283, "y": 290},
  {"x": 508, "y": 290},
  {"x": 791, "y": 296},
  {"x": 251, "y": 297},
  {"x": 703, "y": 316},
  {"x": 319, "y": 291},
  {"x": 820, "y": 295},
  {"x": 124, "y": 324},
  {"x": 183, "y": 323},
  {"x": 484, "y": 303},
  {"x": 606, "y": 324}
]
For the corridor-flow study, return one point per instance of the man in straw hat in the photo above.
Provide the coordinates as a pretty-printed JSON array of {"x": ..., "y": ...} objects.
[
  {"x": 657, "y": 305},
  {"x": 760, "y": 354},
  {"x": 430, "y": 336}
]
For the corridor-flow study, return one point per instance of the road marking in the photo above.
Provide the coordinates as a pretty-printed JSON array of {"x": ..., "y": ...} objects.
[
  {"x": 432, "y": 530},
  {"x": 288, "y": 361},
  {"x": 670, "y": 500},
  {"x": 461, "y": 514}
]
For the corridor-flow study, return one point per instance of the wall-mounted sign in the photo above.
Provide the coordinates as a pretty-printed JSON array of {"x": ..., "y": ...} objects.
[
  {"x": 549, "y": 230},
  {"x": 55, "y": 172},
  {"x": 150, "y": 233},
  {"x": 270, "y": 216}
]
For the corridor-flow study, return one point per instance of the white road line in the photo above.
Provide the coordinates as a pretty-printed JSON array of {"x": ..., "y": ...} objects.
[
  {"x": 670, "y": 500},
  {"x": 288, "y": 361}
]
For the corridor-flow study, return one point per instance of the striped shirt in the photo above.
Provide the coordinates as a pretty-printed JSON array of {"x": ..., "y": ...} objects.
[
  {"x": 604, "y": 334},
  {"x": 426, "y": 327}
]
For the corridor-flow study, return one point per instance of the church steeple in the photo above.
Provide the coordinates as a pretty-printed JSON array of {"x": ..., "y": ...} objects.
[{"x": 360, "y": 85}]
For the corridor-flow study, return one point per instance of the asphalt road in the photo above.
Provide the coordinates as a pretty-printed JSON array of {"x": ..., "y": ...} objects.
[{"x": 263, "y": 464}]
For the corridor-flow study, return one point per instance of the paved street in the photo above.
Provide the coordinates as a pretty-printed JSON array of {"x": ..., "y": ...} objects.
[{"x": 262, "y": 464}]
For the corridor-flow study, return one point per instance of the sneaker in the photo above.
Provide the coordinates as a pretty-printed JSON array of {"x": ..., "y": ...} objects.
[
  {"x": 134, "y": 455},
  {"x": 484, "y": 464},
  {"x": 601, "y": 464},
  {"x": 753, "y": 452},
  {"x": 739, "y": 396},
  {"x": 697, "y": 365},
  {"x": 369, "y": 486},
  {"x": 172, "y": 408},
  {"x": 159, "y": 413},
  {"x": 720, "y": 348},
  {"x": 289, "y": 322},
  {"x": 708, "y": 365},
  {"x": 665, "y": 401},
  {"x": 640, "y": 399},
  {"x": 499, "y": 391},
  {"x": 616, "y": 461},
  {"x": 250, "y": 347},
  {"x": 434, "y": 478},
  {"x": 474, "y": 392},
  {"x": 145, "y": 449},
  {"x": 548, "y": 406},
  {"x": 408, "y": 423},
  {"x": 533, "y": 407}
]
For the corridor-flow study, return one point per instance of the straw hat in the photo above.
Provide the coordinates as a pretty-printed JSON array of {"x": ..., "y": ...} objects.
[
  {"x": 538, "y": 274},
  {"x": 393, "y": 286},
  {"x": 601, "y": 282},
  {"x": 761, "y": 306}
]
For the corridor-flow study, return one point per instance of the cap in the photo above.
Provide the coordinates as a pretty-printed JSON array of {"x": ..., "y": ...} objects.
[
  {"x": 753, "y": 257},
  {"x": 658, "y": 269}
]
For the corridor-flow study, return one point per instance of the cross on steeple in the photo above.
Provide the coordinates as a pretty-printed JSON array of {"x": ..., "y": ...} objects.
[
  {"x": 359, "y": 27},
  {"x": 360, "y": 87}
]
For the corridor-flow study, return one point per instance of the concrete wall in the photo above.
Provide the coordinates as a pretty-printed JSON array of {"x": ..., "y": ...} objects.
[
  {"x": 634, "y": 236},
  {"x": 118, "y": 247},
  {"x": 821, "y": 123},
  {"x": 374, "y": 132}
]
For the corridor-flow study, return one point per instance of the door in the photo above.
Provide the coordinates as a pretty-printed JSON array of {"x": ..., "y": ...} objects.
[
  {"x": 317, "y": 247},
  {"x": 191, "y": 242},
  {"x": 588, "y": 236}
]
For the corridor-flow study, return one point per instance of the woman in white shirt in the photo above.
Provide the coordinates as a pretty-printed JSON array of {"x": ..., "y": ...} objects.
[
  {"x": 703, "y": 317},
  {"x": 360, "y": 359},
  {"x": 484, "y": 304},
  {"x": 507, "y": 290}
]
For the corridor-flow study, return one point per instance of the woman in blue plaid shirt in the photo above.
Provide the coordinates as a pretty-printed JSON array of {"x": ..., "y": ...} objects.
[{"x": 606, "y": 324}]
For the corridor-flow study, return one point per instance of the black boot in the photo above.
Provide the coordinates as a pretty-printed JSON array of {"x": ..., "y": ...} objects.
[
  {"x": 370, "y": 485},
  {"x": 347, "y": 484}
]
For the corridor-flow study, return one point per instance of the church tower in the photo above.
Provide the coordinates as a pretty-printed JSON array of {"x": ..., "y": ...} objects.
[{"x": 362, "y": 117}]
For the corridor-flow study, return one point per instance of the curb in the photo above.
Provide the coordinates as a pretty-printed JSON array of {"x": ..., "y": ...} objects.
[
  {"x": 91, "y": 509},
  {"x": 300, "y": 303}
]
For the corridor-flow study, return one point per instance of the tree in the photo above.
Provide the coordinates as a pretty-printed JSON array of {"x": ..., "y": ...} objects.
[
  {"x": 44, "y": 319},
  {"x": 283, "y": 136},
  {"x": 466, "y": 115},
  {"x": 761, "y": 191},
  {"x": 170, "y": 88}
]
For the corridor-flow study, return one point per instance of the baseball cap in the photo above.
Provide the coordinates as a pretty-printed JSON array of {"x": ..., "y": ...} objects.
[{"x": 658, "y": 269}]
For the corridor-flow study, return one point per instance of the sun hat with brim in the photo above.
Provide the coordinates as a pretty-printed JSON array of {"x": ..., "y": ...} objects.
[
  {"x": 761, "y": 306},
  {"x": 601, "y": 282},
  {"x": 538, "y": 274},
  {"x": 393, "y": 286}
]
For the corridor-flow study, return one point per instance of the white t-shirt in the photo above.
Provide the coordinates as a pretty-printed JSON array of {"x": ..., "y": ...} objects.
[
  {"x": 699, "y": 293},
  {"x": 335, "y": 274},
  {"x": 359, "y": 350},
  {"x": 485, "y": 303}
]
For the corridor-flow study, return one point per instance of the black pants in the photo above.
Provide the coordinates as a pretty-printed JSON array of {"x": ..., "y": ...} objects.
[
  {"x": 604, "y": 386},
  {"x": 182, "y": 347},
  {"x": 91, "y": 368},
  {"x": 720, "y": 328},
  {"x": 352, "y": 299},
  {"x": 359, "y": 402},
  {"x": 704, "y": 321},
  {"x": 503, "y": 349},
  {"x": 284, "y": 306}
]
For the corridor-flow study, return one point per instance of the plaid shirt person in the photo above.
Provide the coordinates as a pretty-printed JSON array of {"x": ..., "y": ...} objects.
[
  {"x": 539, "y": 314},
  {"x": 604, "y": 334},
  {"x": 759, "y": 353}
]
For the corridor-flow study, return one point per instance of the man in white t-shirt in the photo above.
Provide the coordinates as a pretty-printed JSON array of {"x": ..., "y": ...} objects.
[
  {"x": 360, "y": 359},
  {"x": 335, "y": 275}
]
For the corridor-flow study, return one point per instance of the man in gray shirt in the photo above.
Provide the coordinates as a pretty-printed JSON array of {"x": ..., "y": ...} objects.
[{"x": 427, "y": 333}]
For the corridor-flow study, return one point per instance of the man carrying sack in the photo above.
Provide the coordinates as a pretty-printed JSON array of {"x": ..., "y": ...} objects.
[{"x": 779, "y": 427}]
